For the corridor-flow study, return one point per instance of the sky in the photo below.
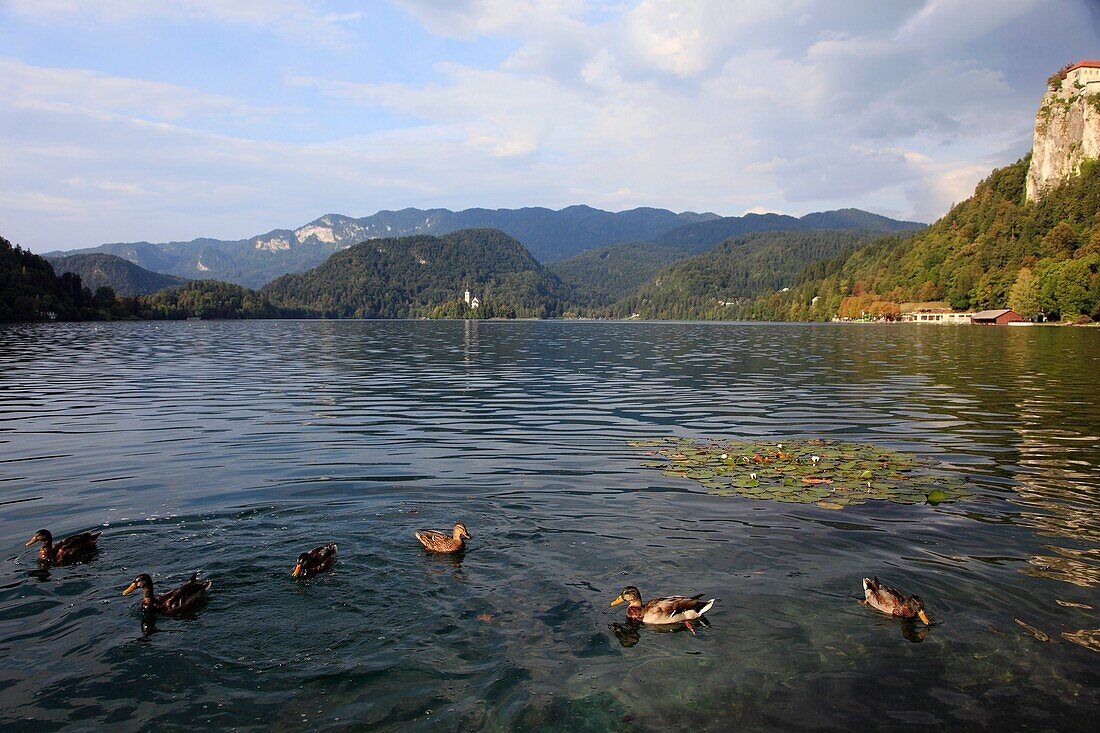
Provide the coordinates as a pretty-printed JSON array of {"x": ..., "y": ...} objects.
[{"x": 129, "y": 120}]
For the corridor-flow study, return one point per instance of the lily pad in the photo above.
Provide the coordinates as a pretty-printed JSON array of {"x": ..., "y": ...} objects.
[{"x": 829, "y": 473}]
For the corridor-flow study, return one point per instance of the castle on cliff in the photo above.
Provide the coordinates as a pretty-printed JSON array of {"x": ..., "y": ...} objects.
[
  {"x": 1081, "y": 78},
  {"x": 1067, "y": 128}
]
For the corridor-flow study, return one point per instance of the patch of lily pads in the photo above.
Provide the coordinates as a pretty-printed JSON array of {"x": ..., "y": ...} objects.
[{"x": 832, "y": 474}]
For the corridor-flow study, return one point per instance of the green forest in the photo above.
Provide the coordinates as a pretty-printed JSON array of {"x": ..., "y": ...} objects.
[
  {"x": 599, "y": 277},
  {"x": 424, "y": 276},
  {"x": 722, "y": 284},
  {"x": 30, "y": 290},
  {"x": 993, "y": 250}
]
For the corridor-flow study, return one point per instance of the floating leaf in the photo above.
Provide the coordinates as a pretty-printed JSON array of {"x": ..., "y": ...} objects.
[
  {"x": 1037, "y": 633},
  {"x": 1088, "y": 638},
  {"x": 937, "y": 496}
]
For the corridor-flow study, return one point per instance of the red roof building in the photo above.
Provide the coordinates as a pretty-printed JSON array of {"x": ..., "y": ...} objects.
[
  {"x": 999, "y": 317},
  {"x": 1083, "y": 77},
  {"x": 1086, "y": 64}
]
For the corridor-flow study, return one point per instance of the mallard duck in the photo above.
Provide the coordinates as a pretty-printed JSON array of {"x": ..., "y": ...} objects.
[
  {"x": 184, "y": 599},
  {"x": 892, "y": 601},
  {"x": 318, "y": 560},
  {"x": 71, "y": 549},
  {"x": 437, "y": 541},
  {"x": 660, "y": 611}
]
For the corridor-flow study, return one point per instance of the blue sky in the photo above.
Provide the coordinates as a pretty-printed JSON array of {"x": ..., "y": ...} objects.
[{"x": 126, "y": 120}]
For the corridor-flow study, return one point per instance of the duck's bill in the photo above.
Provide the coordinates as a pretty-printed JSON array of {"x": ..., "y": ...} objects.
[
  {"x": 129, "y": 589},
  {"x": 924, "y": 617},
  {"x": 617, "y": 601},
  {"x": 297, "y": 571},
  {"x": 30, "y": 542}
]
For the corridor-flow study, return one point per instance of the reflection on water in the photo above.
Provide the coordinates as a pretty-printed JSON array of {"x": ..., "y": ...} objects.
[{"x": 228, "y": 447}]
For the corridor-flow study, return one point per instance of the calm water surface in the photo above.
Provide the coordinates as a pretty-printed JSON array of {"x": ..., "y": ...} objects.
[{"x": 231, "y": 447}]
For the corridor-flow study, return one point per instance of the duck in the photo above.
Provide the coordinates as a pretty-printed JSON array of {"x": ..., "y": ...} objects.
[
  {"x": 71, "y": 549},
  {"x": 663, "y": 611},
  {"x": 892, "y": 601},
  {"x": 318, "y": 560},
  {"x": 184, "y": 599},
  {"x": 438, "y": 541}
]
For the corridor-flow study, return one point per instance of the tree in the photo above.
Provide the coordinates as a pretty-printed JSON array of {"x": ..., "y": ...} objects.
[{"x": 1023, "y": 296}]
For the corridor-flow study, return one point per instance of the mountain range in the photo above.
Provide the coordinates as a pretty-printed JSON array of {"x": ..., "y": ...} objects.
[{"x": 548, "y": 234}]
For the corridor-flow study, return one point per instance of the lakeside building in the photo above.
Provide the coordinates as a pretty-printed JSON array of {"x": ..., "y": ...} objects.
[
  {"x": 939, "y": 316},
  {"x": 472, "y": 300},
  {"x": 999, "y": 317}
]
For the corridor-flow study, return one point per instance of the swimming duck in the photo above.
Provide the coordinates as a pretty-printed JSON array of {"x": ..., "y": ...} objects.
[
  {"x": 184, "y": 599},
  {"x": 318, "y": 560},
  {"x": 892, "y": 601},
  {"x": 668, "y": 610},
  {"x": 71, "y": 549},
  {"x": 437, "y": 541}
]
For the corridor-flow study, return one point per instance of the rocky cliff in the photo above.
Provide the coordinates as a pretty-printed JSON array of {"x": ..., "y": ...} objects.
[{"x": 1067, "y": 133}]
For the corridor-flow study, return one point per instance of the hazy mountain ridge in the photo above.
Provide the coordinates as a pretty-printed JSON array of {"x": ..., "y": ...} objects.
[
  {"x": 99, "y": 269},
  {"x": 548, "y": 234},
  {"x": 698, "y": 237}
]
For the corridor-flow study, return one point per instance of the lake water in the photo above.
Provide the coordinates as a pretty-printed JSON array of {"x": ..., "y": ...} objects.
[{"x": 231, "y": 447}]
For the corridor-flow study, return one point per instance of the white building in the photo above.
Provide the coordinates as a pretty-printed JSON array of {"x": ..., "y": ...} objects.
[
  {"x": 1083, "y": 77},
  {"x": 936, "y": 316}
]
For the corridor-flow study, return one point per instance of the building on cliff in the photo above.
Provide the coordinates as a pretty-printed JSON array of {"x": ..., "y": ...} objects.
[
  {"x": 1084, "y": 76},
  {"x": 1067, "y": 128}
]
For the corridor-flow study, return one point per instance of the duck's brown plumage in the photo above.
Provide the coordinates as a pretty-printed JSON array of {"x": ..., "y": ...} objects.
[
  {"x": 71, "y": 549},
  {"x": 437, "y": 541},
  {"x": 318, "y": 560},
  {"x": 184, "y": 599},
  {"x": 889, "y": 600},
  {"x": 667, "y": 610}
]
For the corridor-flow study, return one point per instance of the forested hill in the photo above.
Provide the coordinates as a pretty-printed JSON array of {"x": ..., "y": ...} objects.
[
  {"x": 425, "y": 275},
  {"x": 700, "y": 236},
  {"x": 993, "y": 250},
  {"x": 126, "y": 278},
  {"x": 31, "y": 291},
  {"x": 601, "y": 276},
  {"x": 720, "y": 284}
]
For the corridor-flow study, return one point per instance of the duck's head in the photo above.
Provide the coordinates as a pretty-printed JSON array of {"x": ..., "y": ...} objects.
[
  {"x": 629, "y": 594},
  {"x": 143, "y": 581},
  {"x": 300, "y": 564},
  {"x": 916, "y": 603},
  {"x": 461, "y": 533},
  {"x": 42, "y": 535}
]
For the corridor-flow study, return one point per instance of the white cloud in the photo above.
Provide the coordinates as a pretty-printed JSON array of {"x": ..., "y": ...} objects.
[
  {"x": 91, "y": 91},
  {"x": 789, "y": 105},
  {"x": 297, "y": 19}
]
